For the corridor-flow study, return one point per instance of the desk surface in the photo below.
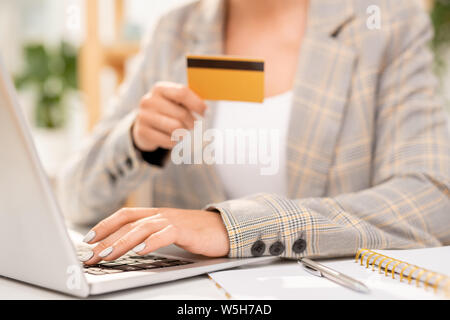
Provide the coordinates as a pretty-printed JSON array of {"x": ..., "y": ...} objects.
[{"x": 200, "y": 287}]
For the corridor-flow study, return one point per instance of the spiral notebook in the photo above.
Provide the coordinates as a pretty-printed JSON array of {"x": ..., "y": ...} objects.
[
  {"x": 417, "y": 273},
  {"x": 397, "y": 268}
]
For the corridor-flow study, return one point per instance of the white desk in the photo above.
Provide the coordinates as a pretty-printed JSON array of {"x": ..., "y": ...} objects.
[{"x": 200, "y": 287}]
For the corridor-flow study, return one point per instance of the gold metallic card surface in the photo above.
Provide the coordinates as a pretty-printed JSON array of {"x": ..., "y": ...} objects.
[{"x": 226, "y": 78}]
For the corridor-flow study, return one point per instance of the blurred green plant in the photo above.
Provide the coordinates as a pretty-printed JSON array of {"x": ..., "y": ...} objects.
[
  {"x": 440, "y": 16},
  {"x": 52, "y": 74}
]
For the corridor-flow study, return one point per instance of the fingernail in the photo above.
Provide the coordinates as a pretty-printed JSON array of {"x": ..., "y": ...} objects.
[
  {"x": 89, "y": 236},
  {"x": 106, "y": 252},
  {"x": 86, "y": 256},
  {"x": 139, "y": 247}
]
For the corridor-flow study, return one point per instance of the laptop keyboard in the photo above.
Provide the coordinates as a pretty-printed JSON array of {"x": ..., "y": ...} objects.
[{"x": 130, "y": 262}]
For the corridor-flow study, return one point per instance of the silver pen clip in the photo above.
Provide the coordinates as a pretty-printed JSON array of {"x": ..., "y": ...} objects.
[{"x": 310, "y": 270}]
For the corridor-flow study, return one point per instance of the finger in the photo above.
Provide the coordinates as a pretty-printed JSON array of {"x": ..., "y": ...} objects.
[
  {"x": 107, "y": 242},
  {"x": 173, "y": 110},
  {"x": 161, "y": 122},
  {"x": 157, "y": 240},
  {"x": 152, "y": 137},
  {"x": 182, "y": 95},
  {"x": 141, "y": 231},
  {"x": 117, "y": 220}
]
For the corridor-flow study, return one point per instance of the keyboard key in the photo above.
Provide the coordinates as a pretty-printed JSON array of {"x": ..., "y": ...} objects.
[
  {"x": 182, "y": 263},
  {"x": 146, "y": 258},
  {"x": 126, "y": 268},
  {"x": 170, "y": 261},
  {"x": 130, "y": 261},
  {"x": 95, "y": 271},
  {"x": 138, "y": 257},
  {"x": 162, "y": 264},
  {"x": 112, "y": 271},
  {"x": 143, "y": 261},
  {"x": 123, "y": 258},
  {"x": 147, "y": 266},
  {"x": 112, "y": 264}
]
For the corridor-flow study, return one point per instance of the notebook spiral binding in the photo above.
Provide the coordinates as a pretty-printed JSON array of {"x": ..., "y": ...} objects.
[{"x": 437, "y": 281}]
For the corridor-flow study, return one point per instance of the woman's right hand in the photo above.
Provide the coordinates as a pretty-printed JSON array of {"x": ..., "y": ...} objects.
[{"x": 166, "y": 108}]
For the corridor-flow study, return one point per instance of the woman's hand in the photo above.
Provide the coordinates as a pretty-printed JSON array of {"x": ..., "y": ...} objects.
[
  {"x": 168, "y": 107},
  {"x": 146, "y": 230}
]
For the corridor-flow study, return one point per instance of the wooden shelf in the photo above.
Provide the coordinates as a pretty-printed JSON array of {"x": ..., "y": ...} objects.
[
  {"x": 116, "y": 55},
  {"x": 429, "y": 4},
  {"x": 95, "y": 55},
  {"x": 118, "y": 52}
]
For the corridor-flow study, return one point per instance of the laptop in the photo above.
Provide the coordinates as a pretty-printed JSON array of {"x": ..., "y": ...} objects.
[{"x": 35, "y": 245}]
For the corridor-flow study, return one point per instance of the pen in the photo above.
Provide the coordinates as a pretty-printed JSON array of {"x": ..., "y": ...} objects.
[{"x": 320, "y": 270}]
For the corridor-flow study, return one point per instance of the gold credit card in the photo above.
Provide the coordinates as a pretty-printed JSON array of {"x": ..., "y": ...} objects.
[{"x": 226, "y": 78}]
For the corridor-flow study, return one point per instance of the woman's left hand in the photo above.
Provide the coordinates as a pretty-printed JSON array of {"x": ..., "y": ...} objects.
[{"x": 146, "y": 230}]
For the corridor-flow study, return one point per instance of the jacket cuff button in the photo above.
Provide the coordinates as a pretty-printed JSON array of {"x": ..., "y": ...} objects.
[
  {"x": 299, "y": 246},
  {"x": 129, "y": 163},
  {"x": 258, "y": 248},
  {"x": 276, "y": 249},
  {"x": 112, "y": 177},
  {"x": 120, "y": 172}
]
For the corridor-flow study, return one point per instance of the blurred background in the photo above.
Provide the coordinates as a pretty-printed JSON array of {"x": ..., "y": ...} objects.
[{"x": 67, "y": 58}]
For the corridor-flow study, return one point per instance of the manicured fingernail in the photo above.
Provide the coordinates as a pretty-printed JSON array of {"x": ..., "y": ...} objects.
[
  {"x": 89, "y": 236},
  {"x": 86, "y": 256},
  {"x": 106, "y": 252},
  {"x": 139, "y": 247}
]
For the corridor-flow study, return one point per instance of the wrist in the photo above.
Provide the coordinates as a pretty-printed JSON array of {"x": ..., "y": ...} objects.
[
  {"x": 156, "y": 157},
  {"x": 135, "y": 144}
]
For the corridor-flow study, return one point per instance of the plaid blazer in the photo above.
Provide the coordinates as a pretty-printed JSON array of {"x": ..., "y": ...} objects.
[{"x": 368, "y": 155}]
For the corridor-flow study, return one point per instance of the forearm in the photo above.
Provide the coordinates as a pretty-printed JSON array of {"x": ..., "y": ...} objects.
[{"x": 409, "y": 211}]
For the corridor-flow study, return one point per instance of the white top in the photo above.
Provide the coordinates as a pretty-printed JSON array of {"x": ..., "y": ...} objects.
[{"x": 254, "y": 137}]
